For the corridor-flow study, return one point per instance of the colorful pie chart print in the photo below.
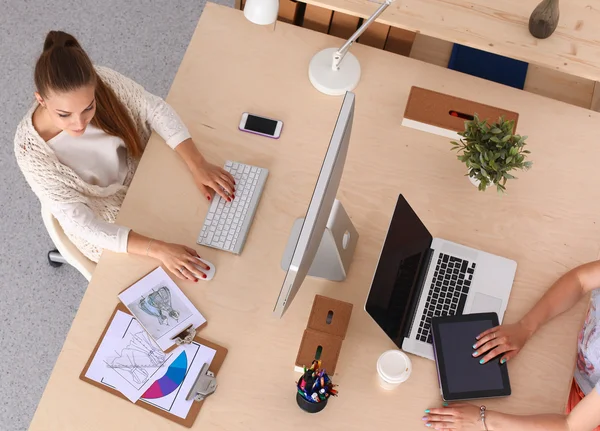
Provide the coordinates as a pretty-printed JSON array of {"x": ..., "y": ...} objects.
[{"x": 170, "y": 381}]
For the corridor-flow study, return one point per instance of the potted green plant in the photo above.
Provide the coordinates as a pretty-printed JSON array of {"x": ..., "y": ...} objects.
[{"x": 491, "y": 152}]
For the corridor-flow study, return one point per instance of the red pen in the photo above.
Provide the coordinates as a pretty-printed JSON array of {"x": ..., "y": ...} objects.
[{"x": 461, "y": 115}]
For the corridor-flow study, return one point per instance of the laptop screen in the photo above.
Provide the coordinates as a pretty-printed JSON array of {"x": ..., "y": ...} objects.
[{"x": 405, "y": 252}]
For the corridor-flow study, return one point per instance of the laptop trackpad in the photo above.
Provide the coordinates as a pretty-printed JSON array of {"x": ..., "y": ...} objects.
[{"x": 483, "y": 303}]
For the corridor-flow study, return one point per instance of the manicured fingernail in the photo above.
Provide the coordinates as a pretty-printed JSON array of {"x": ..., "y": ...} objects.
[
  {"x": 427, "y": 411},
  {"x": 481, "y": 361},
  {"x": 474, "y": 354},
  {"x": 424, "y": 418},
  {"x": 477, "y": 338},
  {"x": 475, "y": 345},
  {"x": 503, "y": 360},
  {"x": 427, "y": 425},
  {"x": 208, "y": 268},
  {"x": 203, "y": 275},
  {"x": 208, "y": 197},
  {"x": 196, "y": 280},
  {"x": 445, "y": 404}
]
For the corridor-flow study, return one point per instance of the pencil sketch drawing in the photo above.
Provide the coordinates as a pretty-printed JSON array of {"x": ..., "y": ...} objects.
[
  {"x": 158, "y": 304},
  {"x": 159, "y": 310},
  {"x": 138, "y": 360}
]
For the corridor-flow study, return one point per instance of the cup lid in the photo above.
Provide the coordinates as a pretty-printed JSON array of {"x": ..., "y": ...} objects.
[{"x": 394, "y": 366}]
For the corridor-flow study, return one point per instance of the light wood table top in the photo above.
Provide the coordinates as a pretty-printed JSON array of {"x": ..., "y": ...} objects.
[
  {"x": 548, "y": 223},
  {"x": 500, "y": 27}
]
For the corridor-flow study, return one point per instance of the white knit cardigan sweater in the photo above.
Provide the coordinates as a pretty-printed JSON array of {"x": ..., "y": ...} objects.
[{"x": 53, "y": 181}]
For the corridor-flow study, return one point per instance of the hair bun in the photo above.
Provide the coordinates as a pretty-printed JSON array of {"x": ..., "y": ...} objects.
[{"x": 60, "y": 39}]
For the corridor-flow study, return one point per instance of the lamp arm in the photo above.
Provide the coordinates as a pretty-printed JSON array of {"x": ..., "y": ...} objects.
[{"x": 338, "y": 56}]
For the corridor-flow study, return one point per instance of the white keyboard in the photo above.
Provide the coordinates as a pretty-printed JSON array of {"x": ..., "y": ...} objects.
[{"x": 227, "y": 224}]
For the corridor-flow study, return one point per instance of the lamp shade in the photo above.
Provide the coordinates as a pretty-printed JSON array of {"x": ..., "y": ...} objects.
[{"x": 262, "y": 12}]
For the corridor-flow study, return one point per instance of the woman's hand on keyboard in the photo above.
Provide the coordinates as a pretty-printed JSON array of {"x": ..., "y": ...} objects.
[
  {"x": 179, "y": 259},
  {"x": 206, "y": 175},
  {"x": 505, "y": 340}
]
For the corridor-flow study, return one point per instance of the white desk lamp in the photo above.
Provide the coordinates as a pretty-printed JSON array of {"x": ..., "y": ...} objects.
[
  {"x": 261, "y": 12},
  {"x": 331, "y": 71},
  {"x": 335, "y": 71}
]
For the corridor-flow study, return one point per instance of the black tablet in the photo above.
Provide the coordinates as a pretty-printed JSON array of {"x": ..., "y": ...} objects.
[{"x": 461, "y": 375}]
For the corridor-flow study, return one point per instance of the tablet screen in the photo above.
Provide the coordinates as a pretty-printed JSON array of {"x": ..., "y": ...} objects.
[{"x": 461, "y": 375}]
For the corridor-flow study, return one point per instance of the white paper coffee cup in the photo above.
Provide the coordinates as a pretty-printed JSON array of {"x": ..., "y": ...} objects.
[{"x": 393, "y": 368}]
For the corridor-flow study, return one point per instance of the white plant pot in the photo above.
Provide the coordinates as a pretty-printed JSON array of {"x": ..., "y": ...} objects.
[{"x": 476, "y": 182}]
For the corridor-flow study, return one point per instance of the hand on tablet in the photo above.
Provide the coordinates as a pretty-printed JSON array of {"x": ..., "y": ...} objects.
[
  {"x": 504, "y": 340},
  {"x": 463, "y": 417}
]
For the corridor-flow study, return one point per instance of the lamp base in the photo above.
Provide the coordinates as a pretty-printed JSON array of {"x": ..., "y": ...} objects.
[{"x": 333, "y": 82}]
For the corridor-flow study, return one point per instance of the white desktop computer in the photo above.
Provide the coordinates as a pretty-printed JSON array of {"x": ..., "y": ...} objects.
[{"x": 322, "y": 243}]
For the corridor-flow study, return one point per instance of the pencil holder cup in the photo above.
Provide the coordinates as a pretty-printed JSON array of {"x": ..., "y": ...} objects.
[{"x": 309, "y": 407}]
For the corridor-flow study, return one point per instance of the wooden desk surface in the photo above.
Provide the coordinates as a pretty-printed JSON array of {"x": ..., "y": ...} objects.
[
  {"x": 500, "y": 27},
  {"x": 548, "y": 224}
]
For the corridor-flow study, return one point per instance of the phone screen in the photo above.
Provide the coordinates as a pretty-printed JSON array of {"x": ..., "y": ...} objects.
[{"x": 260, "y": 125}]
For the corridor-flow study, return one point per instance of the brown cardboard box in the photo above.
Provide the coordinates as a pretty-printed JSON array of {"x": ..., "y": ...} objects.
[
  {"x": 343, "y": 25},
  {"x": 431, "y": 50},
  {"x": 317, "y": 18},
  {"x": 324, "y": 334},
  {"x": 330, "y": 316},
  {"x": 399, "y": 41},
  {"x": 375, "y": 35},
  {"x": 430, "y": 111},
  {"x": 287, "y": 11},
  {"x": 319, "y": 345}
]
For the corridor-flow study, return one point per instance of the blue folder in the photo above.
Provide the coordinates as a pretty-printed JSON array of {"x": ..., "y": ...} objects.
[{"x": 493, "y": 67}]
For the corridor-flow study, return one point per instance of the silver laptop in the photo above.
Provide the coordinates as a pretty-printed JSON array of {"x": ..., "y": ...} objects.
[{"x": 419, "y": 277}]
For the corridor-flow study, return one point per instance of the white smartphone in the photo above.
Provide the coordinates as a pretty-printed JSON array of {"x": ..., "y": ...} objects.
[{"x": 261, "y": 125}]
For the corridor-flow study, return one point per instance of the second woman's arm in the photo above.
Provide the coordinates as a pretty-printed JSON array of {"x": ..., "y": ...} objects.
[{"x": 507, "y": 340}]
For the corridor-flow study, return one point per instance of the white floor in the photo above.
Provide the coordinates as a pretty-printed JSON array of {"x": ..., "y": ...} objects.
[{"x": 143, "y": 39}]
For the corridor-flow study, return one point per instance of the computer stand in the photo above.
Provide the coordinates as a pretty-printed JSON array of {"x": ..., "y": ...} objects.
[{"x": 335, "y": 252}]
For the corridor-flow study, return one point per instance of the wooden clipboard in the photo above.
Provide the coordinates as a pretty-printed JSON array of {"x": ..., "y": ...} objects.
[{"x": 215, "y": 366}]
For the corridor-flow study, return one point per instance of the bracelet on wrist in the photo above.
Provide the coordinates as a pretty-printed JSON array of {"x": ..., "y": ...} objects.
[
  {"x": 482, "y": 417},
  {"x": 148, "y": 247}
]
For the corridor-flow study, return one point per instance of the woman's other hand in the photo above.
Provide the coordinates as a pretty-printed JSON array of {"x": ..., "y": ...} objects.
[{"x": 455, "y": 417}]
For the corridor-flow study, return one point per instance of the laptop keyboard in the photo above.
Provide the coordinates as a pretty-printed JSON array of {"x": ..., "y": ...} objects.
[{"x": 448, "y": 292}]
